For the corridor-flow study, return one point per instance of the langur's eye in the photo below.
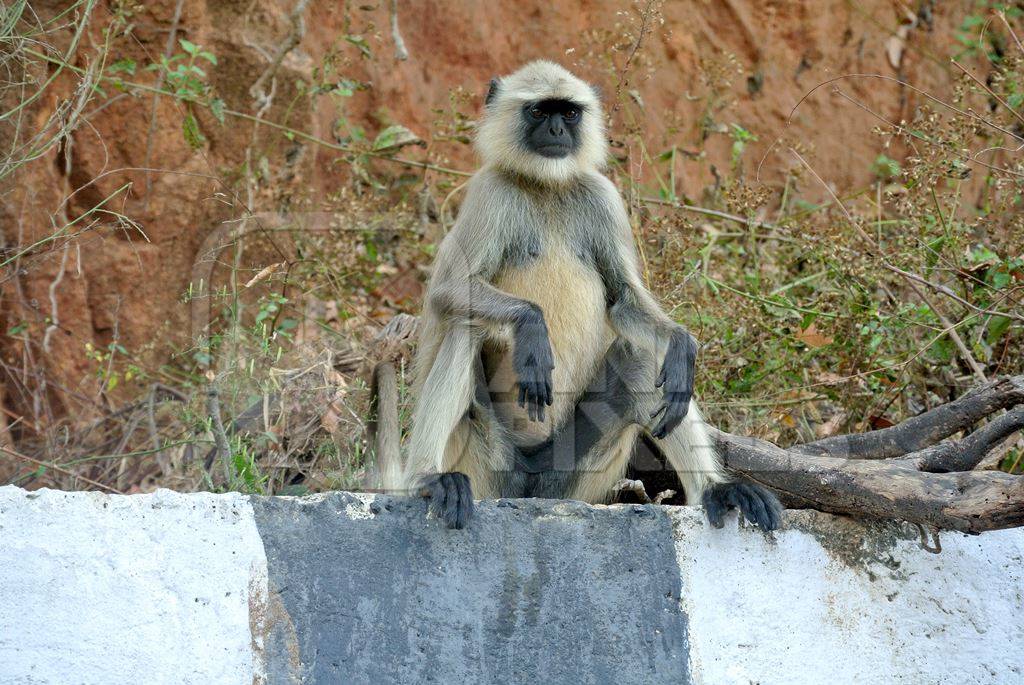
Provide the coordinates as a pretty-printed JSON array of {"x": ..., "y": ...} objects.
[
  {"x": 572, "y": 114},
  {"x": 537, "y": 113}
]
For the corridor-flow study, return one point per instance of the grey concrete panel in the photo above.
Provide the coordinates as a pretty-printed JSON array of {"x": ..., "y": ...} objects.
[{"x": 533, "y": 591}]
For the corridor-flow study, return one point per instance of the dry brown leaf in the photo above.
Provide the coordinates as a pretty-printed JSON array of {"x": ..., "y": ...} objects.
[
  {"x": 878, "y": 422},
  {"x": 814, "y": 339},
  {"x": 263, "y": 274},
  {"x": 895, "y": 46},
  {"x": 894, "y": 49}
]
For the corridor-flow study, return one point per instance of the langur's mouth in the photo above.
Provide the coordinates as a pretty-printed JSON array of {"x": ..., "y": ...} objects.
[{"x": 553, "y": 151}]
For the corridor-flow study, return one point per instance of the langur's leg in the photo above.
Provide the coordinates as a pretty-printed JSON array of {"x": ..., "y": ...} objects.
[
  {"x": 691, "y": 453},
  {"x": 479, "y": 458},
  {"x": 591, "y": 453}
]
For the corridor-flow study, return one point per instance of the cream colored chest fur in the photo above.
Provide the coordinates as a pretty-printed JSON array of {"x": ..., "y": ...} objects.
[{"x": 572, "y": 297}]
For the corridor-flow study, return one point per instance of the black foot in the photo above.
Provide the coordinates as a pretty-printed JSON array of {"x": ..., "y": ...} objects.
[
  {"x": 451, "y": 499},
  {"x": 757, "y": 505}
]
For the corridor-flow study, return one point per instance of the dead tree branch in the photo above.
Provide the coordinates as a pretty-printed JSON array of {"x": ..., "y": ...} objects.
[
  {"x": 902, "y": 472},
  {"x": 926, "y": 429},
  {"x": 966, "y": 454},
  {"x": 970, "y": 502},
  {"x": 294, "y": 37}
]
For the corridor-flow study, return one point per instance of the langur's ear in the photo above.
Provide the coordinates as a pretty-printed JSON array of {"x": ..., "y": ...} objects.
[{"x": 492, "y": 91}]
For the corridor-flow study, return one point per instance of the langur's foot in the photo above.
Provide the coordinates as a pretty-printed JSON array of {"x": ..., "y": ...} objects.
[
  {"x": 758, "y": 505},
  {"x": 451, "y": 499}
]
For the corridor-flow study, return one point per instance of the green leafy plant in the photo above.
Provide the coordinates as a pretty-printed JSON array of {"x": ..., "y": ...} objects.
[{"x": 188, "y": 82}]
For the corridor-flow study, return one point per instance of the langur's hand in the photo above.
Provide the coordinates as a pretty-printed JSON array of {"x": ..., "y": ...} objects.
[
  {"x": 451, "y": 498},
  {"x": 676, "y": 378},
  {"x": 532, "y": 362}
]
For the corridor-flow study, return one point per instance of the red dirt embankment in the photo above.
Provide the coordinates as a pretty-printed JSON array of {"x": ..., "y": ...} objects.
[{"x": 111, "y": 279}]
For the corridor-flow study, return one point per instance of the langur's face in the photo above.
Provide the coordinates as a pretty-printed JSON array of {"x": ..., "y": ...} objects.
[{"x": 551, "y": 127}]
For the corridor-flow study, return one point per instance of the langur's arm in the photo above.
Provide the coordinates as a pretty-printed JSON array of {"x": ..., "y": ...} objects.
[
  {"x": 636, "y": 316},
  {"x": 472, "y": 300}
]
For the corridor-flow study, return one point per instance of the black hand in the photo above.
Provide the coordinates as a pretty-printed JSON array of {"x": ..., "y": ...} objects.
[
  {"x": 451, "y": 499},
  {"x": 532, "y": 362},
  {"x": 676, "y": 377},
  {"x": 758, "y": 505}
]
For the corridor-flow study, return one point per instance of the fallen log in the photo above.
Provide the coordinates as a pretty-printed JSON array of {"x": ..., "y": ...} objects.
[
  {"x": 967, "y": 501},
  {"x": 904, "y": 471}
]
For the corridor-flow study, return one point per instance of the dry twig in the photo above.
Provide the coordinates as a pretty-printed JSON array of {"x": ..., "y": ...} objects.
[{"x": 401, "y": 53}]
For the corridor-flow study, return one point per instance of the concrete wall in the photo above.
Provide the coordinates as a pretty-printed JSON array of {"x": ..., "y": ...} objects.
[{"x": 342, "y": 588}]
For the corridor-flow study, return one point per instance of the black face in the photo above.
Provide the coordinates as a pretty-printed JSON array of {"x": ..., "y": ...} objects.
[{"x": 552, "y": 127}]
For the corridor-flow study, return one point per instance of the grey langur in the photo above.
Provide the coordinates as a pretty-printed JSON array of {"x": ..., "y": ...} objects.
[{"x": 542, "y": 357}]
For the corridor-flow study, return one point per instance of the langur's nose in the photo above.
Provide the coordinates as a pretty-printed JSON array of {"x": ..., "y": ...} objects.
[{"x": 556, "y": 129}]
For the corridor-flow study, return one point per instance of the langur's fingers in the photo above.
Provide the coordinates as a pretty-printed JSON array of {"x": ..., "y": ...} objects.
[
  {"x": 549, "y": 398},
  {"x": 522, "y": 394},
  {"x": 662, "y": 376},
  {"x": 755, "y": 511},
  {"x": 662, "y": 407},
  {"x": 681, "y": 402},
  {"x": 668, "y": 422},
  {"x": 673, "y": 417},
  {"x": 774, "y": 509},
  {"x": 659, "y": 426},
  {"x": 465, "y": 502},
  {"x": 714, "y": 507},
  {"x": 439, "y": 496},
  {"x": 741, "y": 500}
]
